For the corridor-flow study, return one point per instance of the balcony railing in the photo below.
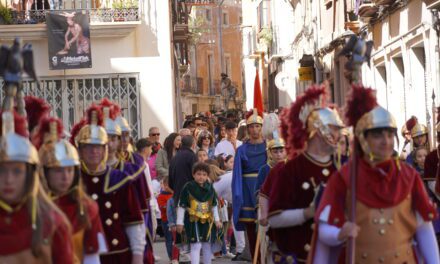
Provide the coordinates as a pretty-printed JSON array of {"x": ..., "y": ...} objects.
[
  {"x": 193, "y": 85},
  {"x": 34, "y": 11}
]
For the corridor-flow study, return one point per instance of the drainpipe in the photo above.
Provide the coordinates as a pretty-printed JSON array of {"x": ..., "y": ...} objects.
[{"x": 220, "y": 33}]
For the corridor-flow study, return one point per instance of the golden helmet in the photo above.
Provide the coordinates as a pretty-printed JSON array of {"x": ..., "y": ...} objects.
[
  {"x": 56, "y": 152},
  {"x": 419, "y": 130},
  {"x": 276, "y": 142},
  {"x": 415, "y": 128},
  {"x": 320, "y": 120},
  {"x": 379, "y": 117},
  {"x": 364, "y": 113},
  {"x": 111, "y": 126},
  {"x": 15, "y": 144},
  {"x": 93, "y": 132},
  {"x": 123, "y": 123},
  {"x": 254, "y": 118}
]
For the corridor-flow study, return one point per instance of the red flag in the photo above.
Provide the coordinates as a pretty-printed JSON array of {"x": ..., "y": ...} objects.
[{"x": 258, "y": 97}]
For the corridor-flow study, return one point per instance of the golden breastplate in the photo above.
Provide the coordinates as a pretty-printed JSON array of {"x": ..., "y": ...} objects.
[
  {"x": 199, "y": 211},
  {"x": 385, "y": 234}
]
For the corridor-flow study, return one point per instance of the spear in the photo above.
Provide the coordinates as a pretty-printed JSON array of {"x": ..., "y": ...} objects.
[{"x": 358, "y": 51}]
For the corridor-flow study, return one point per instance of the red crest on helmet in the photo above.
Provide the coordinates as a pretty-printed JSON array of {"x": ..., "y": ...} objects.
[
  {"x": 411, "y": 123},
  {"x": 36, "y": 108},
  {"x": 293, "y": 128},
  {"x": 44, "y": 129},
  {"x": 115, "y": 109},
  {"x": 360, "y": 101}
]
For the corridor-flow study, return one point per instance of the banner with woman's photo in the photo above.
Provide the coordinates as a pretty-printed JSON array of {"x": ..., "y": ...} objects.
[{"x": 69, "y": 40}]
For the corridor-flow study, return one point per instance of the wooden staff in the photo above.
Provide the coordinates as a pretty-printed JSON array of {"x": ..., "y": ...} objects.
[
  {"x": 257, "y": 247},
  {"x": 351, "y": 245}
]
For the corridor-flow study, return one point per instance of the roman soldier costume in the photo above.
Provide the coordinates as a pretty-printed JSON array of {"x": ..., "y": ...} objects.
[
  {"x": 432, "y": 160},
  {"x": 293, "y": 185},
  {"x": 80, "y": 209},
  {"x": 32, "y": 231},
  {"x": 248, "y": 159},
  {"x": 115, "y": 194},
  {"x": 271, "y": 124},
  {"x": 416, "y": 130},
  {"x": 392, "y": 208},
  {"x": 131, "y": 163},
  {"x": 432, "y": 174}
]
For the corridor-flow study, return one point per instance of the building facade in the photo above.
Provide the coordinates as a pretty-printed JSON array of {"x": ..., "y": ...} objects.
[
  {"x": 405, "y": 61},
  {"x": 215, "y": 48},
  {"x": 131, "y": 62}
]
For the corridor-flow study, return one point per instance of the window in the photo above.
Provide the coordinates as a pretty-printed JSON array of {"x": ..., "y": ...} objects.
[
  {"x": 211, "y": 88},
  {"x": 208, "y": 14},
  {"x": 225, "y": 19},
  {"x": 263, "y": 15},
  {"x": 227, "y": 67}
]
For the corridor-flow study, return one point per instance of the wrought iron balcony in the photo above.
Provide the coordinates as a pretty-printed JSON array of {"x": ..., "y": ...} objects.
[
  {"x": 193, "y": 85},
  {"x": 34, "y": 12},
  {"x": 199, "y": 2}
]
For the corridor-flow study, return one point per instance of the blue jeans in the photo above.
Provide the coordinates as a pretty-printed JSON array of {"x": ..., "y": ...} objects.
[{"x": 168, "y": 238}]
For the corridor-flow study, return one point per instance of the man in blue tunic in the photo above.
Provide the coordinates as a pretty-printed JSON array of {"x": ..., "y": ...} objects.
[{"x": 250, "y": 157}]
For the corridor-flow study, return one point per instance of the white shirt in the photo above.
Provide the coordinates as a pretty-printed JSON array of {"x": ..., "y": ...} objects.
[
  {"x": 226, "y": 148},
  {"x": 223, "y": 186}
]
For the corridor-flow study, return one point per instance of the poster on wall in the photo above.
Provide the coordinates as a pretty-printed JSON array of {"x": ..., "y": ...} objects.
[{"x": 69, "y": 40}]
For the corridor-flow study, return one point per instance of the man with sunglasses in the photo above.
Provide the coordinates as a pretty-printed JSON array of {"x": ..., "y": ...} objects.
[{"x": 154, "y": 135}]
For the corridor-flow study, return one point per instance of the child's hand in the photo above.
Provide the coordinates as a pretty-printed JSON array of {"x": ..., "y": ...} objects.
[
  {"x": 173, "y": 228},
  {"x": 179, "y": 229},
  {"x": 218, "y": 224}
]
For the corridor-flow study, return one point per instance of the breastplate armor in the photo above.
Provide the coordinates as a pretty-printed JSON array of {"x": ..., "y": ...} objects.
[{"x": 199, "y": 211}]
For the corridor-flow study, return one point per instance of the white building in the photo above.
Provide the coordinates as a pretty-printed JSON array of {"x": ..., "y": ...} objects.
[
  {"x": 405, "y": 63},
  {"x": 131, "y": 64}
]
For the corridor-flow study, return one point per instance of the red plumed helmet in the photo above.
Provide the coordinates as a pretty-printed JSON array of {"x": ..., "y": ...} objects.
[
  {"x": 293, "y": 120},
  {"x": 411, "y": 123},
  {"x": 361, "y": 101},
  {"x": 36, "y": 108},
  {"x": 99, "y": 115},
  {"x": 115, "y": 109},
  {"x": 20, "y": 124},
  {"x": 75, "y": 130},
  {"x": 44, "y": 129}
]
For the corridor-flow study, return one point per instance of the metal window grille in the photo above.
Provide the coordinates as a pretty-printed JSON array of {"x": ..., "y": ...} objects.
[{"x": 70, "y": 96}]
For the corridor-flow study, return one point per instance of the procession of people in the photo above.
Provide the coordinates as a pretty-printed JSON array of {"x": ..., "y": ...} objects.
[{"x": 309, "y": 184}]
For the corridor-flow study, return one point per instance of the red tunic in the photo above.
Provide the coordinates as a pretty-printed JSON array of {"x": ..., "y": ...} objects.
[
  {"x": 432, "y": 168},
  {"x": 90, "y": 242},
  {"x": 134, "y": 165},
  {"x": 385, "y": 186},
  {"x": 118, "y": 207},
  {"x": 293, "y": 188},
  {"x": 16, "y": 236}
]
